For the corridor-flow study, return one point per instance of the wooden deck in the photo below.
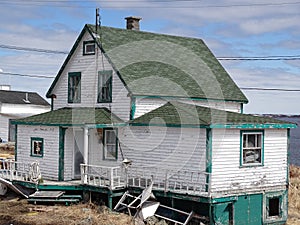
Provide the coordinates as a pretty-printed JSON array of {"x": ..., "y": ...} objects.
[{"x": 115, "y": 178}]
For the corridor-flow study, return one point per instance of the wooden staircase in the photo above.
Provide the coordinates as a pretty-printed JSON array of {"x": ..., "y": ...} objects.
[{"x": 43, "y": 197}]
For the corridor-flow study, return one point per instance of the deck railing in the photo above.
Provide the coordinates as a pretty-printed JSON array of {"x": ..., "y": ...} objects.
[
  {"x": 12, "y": 170},
  {"x": 102, "y": 176},
  {"x": 183, "y": 181}
]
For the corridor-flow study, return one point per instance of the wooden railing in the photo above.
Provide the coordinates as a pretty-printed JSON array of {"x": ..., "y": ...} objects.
[
  {"x": 102, "y": 176},
  {"x": 11, "y": 170},
  {"x": 183, "y": 181}
]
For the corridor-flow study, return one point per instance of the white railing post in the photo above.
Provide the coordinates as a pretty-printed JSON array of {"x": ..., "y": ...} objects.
[{"x": 111, "y": 178}]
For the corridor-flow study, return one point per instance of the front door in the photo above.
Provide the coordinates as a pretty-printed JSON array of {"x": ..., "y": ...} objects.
[{"x": 78, "y": 153}]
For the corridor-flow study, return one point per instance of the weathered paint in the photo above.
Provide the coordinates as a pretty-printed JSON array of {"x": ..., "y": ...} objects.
[
  {"x": 89, "y": 66},
  {"x": 61, "y": 164},
  {"x": 50, "y": 160},
  {"x": 208, "y": 156},
  {"x": 236, "y": 179},
  {"x": 149, "y": 103}
]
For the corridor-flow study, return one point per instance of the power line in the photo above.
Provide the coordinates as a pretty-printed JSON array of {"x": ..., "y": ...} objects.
[
  {"x": 13, "y": 47},
  {"x": 143, "y": 5},
  {"x": 243, "y": 88},
  {"x": 249, "y": 58},
  {"x": 269, "y": 89},
  {"x": 26, "y": 75}
]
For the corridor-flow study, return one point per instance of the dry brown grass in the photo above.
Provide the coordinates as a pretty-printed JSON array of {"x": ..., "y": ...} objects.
[
  {"x": 21, "y": 213},
  {"x": 294, "y": 196}
]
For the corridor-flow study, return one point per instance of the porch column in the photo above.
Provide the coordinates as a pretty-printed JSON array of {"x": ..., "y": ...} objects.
[{"x": 85, "y": 145}]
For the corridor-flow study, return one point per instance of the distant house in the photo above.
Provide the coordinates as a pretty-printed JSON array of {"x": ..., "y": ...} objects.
[
  {"x": 165, "y": 104},
  {"x": 15, "y": 105}
]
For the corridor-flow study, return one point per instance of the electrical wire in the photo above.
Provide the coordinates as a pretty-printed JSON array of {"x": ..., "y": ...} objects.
[
  {"x": 249, "y": 58},
  {"x": 143, "y": 5},
  {"x": 26, "y": 75}
]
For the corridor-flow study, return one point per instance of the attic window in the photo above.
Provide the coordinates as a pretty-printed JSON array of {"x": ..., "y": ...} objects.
[
  {"x": 251, "y": 148},
  {"x": 88, "y": 48}
]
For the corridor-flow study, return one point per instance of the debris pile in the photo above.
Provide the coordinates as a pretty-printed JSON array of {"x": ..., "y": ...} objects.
[{"x": 146, "y": 210}]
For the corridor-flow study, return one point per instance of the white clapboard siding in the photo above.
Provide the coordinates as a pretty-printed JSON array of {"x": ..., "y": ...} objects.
[
  {"x": 4, "y": 120},
  {"x": 89, "y": 65},
  {"x": 145, "y": 105},
  {"x": 26, "y": 109},
  {"x": 228, "y": 176},
  {"x": 49, "y": 161},
  {"x": 221, "y": 105},
  {"x": 164, "y": 148}
]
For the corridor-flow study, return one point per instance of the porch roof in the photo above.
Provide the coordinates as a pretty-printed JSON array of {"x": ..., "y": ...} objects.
[
  {"x": 73, "y": 117},
  {"x": 175, "y": 114}
]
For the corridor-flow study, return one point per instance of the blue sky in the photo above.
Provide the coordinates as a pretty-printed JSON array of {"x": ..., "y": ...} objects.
[{"x": 232, "y": 28}]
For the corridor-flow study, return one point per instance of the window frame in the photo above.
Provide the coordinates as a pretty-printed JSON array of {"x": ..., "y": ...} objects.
[
  {"x": 101, "y": 74},
  {"x": 85, "y": 45},
  {"x": 32, "y": 150},
  {"x": 247, "y": 132},
  {"x": 105, "y": 155},
  {"x": 71, "y": 99},
  {"x": 283, "y": 204}
]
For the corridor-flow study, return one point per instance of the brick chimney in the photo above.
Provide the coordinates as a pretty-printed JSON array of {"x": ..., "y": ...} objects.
[{"x": 133, "y": 23}]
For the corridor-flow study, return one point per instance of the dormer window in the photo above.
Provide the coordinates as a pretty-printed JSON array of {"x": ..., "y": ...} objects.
[{"x": 88, "y": 48}]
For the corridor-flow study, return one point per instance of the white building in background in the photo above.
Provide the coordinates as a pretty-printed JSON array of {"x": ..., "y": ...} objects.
[{"x": 15, "y": 105}]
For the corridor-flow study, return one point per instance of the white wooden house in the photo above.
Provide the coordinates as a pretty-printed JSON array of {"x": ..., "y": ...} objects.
[
  {"x": 15, "y": 105},
  {"x": 166, "y": 104}
]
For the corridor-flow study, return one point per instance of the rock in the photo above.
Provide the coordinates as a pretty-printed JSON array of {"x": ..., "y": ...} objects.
[{"x": 151, "y": 220}]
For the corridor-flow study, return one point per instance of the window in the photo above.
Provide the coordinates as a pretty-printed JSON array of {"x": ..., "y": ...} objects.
[
  {"x": 74, "y": 88},
  {"x": 110, "y": 144},
  {"x": 104, "y": 86},
  {"x": 88, "y": 48},
  {"x": 274, "y": 207},
  {"x": 37, "y": 147},
  {"x": 251, "y": 148}
]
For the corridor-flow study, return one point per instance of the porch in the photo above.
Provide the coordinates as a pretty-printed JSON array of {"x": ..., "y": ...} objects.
[{"x": 189, "y": 182}]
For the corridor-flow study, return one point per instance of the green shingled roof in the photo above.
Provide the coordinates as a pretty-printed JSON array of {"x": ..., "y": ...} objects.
[
  {"x": 72, "y": 117},
  {"x": 151, "y": 64},
  {"x": 180, "y": 114}
]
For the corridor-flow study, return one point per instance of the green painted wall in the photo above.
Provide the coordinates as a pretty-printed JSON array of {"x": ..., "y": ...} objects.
[{"x": 248, "y": 210}]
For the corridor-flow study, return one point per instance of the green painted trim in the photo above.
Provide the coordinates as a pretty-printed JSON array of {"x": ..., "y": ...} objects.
[
  {"x": 224, "y": 199},
  {"x": 70, "y": 98},
  {"x": 242, "y": 108},
  {"x": 242, "y": 132},
  {"x": 253, "y": 126},
  {"x": 61, "y": 150},
  {"x": 32, "y": 139},
  {"x": 116, "y": 142},
  {"x": 190, "y": 98},
  {"x": 52, "y": 103},
  {"x": 84, "y": 49},
  {"x": 16, "y": 143},
  {"x": 168, "y": 125},
  {"x": 132, "y": 108},
  {"x": 208, "y": 157},
  {"x": 76, "y": 44},
  {"x": 283, "y": 198},
  {"x": 100, "y": 86},
  {"x": 288, "y": 156}
]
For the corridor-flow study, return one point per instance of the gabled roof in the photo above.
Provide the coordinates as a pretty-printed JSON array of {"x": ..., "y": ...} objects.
[
  {"x": 72, "y": 117},
  {"x": 19, "y": 97},
  {"x": 177, "y": 114},
  {"x": 152, "y": 64}
]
